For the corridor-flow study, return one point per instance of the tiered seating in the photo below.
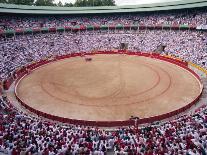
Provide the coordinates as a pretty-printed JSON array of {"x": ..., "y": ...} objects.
[{"x": 23, "y": 133}]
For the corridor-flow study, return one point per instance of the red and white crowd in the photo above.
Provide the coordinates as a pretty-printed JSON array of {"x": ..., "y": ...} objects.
[
  {"x": 189, "y": 17},
  {"x": 25, "y": 134},
  {"x": 23, "y": 49},
  {"x": 22, "y": 133}
]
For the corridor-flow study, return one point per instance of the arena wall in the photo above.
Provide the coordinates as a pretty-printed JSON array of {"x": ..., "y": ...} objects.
[{"x": 26, "y": 70}]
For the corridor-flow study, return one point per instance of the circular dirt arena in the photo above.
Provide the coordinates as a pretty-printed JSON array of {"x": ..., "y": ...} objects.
[{"x": 108, "y": 88}]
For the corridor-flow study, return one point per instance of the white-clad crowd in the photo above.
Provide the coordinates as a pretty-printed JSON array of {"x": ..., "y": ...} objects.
[
  {"x": 190, "y": 17},
  {"x": 21, "y": 133},
  {"x": 21, "y": 50}
]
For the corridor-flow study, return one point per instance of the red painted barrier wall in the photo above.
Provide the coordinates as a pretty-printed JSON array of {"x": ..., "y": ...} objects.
[
  {"x": 25, "y": 71},
  {"x": 1, "y": 88},
  {"x": 7, "y": 83}
]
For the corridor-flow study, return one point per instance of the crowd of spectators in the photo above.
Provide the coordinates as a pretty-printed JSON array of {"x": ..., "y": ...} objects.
[
  {"x": 21, "y": 50},
  {"x": 23, "y": 133},
  {"x": 190, "y": 17}
]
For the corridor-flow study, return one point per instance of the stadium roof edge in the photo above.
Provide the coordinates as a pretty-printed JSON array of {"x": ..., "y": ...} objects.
[{"x": 181, "y": 4}]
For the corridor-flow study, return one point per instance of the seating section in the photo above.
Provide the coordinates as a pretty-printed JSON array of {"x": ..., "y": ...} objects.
[
  {"x": 21, "y": 50},
  {"x": 24, "y": 133},
  {"x": 182, "y": 17}
]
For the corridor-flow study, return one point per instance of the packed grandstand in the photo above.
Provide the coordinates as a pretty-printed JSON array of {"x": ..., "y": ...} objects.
[{"x": 25, "y": 39}]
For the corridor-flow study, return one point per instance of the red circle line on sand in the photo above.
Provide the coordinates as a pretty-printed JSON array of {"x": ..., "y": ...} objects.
[
  {"x": 113, "y": 94},
  {"x": 116, "y": 123},
  {"x": 98, "y": 105}
]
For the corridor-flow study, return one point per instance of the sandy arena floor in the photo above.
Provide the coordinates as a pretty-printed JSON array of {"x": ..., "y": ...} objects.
[{"x": 109, "y": 88}]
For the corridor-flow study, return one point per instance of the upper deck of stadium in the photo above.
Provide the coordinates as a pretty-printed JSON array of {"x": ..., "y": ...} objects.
[{"x": 165, "y": 5}]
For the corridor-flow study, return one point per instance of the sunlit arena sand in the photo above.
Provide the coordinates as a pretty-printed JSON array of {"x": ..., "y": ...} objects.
[{"x": 108, "y": 88}]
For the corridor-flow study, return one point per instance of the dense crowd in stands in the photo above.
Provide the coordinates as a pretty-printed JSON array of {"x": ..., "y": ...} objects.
[
  {"x": 23, "y": 133},
  {"x": 190, "y": 17},
  {"x": 21, "y": 50}
]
